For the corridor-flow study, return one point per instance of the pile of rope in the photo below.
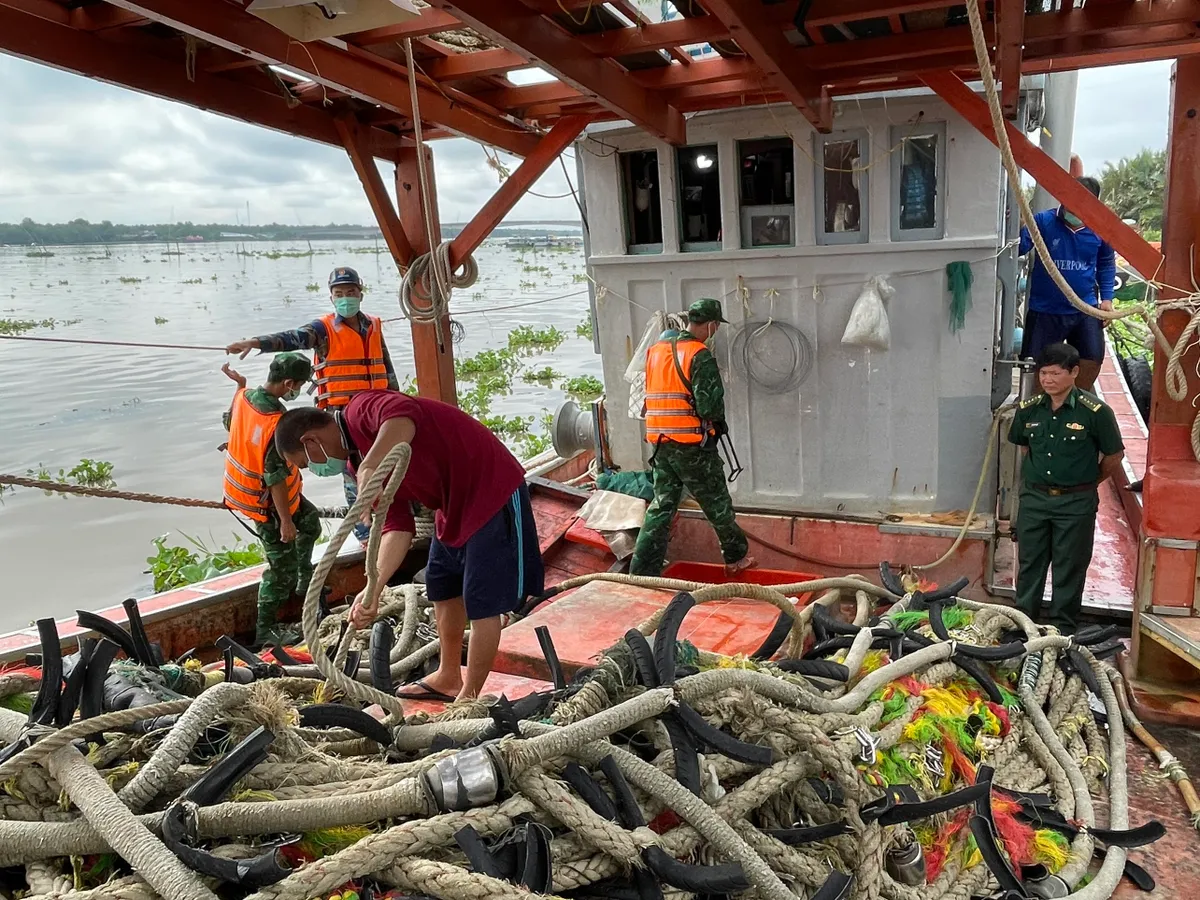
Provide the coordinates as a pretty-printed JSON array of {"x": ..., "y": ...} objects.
[{"x": 922, "y": 746}]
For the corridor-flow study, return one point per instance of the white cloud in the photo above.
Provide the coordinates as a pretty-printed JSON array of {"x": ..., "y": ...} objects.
[{"x": 74, "y": 147}]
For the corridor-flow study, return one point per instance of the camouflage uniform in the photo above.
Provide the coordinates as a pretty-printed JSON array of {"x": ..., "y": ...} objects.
[
  {"x": 697, "y": 468},
  {"x": 289, "y": 566}
]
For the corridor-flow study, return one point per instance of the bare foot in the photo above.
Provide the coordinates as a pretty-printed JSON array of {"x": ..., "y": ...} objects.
[{"x": 746, "y": 562}]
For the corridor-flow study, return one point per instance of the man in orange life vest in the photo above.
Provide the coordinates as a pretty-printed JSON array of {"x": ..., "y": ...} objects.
[
  {"x": 261, "y": 485},
  {"x": 350, "y": 353},
  {"x": 685, "y": 416}
]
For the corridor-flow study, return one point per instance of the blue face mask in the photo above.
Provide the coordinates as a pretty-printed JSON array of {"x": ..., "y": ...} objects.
[
  {"x": 327, "y": 468},
  {"x": 346, "y": 306}
]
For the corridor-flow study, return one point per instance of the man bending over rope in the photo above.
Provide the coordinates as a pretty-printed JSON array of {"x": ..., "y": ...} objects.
[{"x": 484, "y": 559}]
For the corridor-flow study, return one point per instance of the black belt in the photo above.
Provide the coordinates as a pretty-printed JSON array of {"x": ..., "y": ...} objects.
[{"x": 1056, "y": 491}]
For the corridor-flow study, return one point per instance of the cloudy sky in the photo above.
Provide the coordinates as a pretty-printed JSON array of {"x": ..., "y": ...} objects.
[{"x": 74, "y": 148}]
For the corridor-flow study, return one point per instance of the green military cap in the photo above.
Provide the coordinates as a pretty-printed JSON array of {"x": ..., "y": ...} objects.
[
  {"x": 290, "y": 367},
  {"x": 706, "y": 310}
]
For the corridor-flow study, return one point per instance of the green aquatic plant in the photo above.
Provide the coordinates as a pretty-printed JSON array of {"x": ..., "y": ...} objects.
[
  {"x": 20, "y": 326},
  {"x": 129, "y": 279},
  {"x": 546, "y": 375},
  {"x": 39, "y": 254},
  {"x": 174, "y": 567},
  {"x": 486, "y": 362},
  {"x": 193, "y": 281},
  {"x": 584, "y": 387},
  {"x": 586, "y": 329},
  {"x": 160, "y": 320},
  {"x": 95, "y": 473},
  {"x": 312, "y": 287},
  {"x": 526, "y": 338}
]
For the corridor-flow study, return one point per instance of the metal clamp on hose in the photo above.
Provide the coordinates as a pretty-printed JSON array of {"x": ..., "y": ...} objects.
[
  {"x": 907, "y": 864},
  {"x": 469, "y": 779}
]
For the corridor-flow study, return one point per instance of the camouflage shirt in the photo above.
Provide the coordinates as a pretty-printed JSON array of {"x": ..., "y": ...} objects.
[
  {"x": 313, "y": 337},
  {"x": 275, "y": 470},
  {"x": 707, "y": 389}
]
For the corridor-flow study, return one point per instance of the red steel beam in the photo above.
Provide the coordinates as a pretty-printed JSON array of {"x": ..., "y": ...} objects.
[
  {"x": 76, "y": 51},
  {"x": 558, "y": 139},
  {"x": 101, "y": 17},
  {"x": 1010, "y": 38},
  {"x": 1049, "y": 174},
  {"x": 635, "y": 15},
  {"x": 477, "y": 64},
  {"x": 342, "y": 70},
  {"x": 705, "y": 72},
  {"x": 782, "y": 67},
  {"x": 434, "y": 360},
  {"x": 624, "y": 41},
  {"x": 557, "y": 51},
  {"x": 431, "y": 21},
  {"x": 351, "y": 132}
]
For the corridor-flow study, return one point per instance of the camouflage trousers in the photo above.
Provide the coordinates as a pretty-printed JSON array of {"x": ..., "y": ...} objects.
[
  {"x": 289, "y": 566},
  {"x": 701, "y": 472}
]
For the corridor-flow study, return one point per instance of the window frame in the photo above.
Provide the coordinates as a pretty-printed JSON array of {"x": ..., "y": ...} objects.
[
  {"x": 747, "y": 211},
  {"x": 698, "y": 246},
  {"x": 897, "y": 134},
  {"x": 863, "y": 235},
  {"x": 627, "y": 188}
]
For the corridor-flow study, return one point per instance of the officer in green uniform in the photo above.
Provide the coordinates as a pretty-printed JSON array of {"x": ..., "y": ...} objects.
[
  {"x": 1072, "y": 445},
  {"x": 287, "y": 546},
  {"x": 696, "y": 467}
]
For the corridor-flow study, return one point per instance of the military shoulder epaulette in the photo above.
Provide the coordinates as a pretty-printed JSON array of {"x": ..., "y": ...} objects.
[
  {"x": 1090, "y": 402},
  {"x": 1032, "y": 401}
]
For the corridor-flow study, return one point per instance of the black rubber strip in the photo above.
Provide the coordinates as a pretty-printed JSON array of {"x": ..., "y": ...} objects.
[
  {"x": 551, "y": 654},
  {"x": 836, "y": 887},
  {"x": 478, "y": 855},
  {"x": 729, "y": 878},
  {"x": 982, "y": 678},
  {"x": 234, "y": 766},
  {"x": 91, "y": 700},
  {"x": 628, "y": 811},
  {"x": 350, "y": 668},
  {"x": 923, "y": 809},
  {"x": 282, "y": 656},
  {"x": 985, "y": 840},
  {"x": 334, "y": 715},
  {"x": 889, "y": 579},
  {"x": 666, "y": 635},
  {"x": 591, "y": 792},
  {"x": 1090, "y": 635},
  {"x": 68, "y": 700},
  {"x": 687, "y": 762},
  {"x": 536, "y": 869},
  {"x": 1027, "y": 798},
  {"x": 983, "y": 802},
  {"x": 531, "y": 706},
  {"x": 726, "y": 744},
  {"x": 817, "y": 668},
  {"x": 1084, "y": 669},
  {"x": 809, "y": 833},
  {"x": 1142, "y": 879},
  {"x": 774, "y": 640},
  {"x": 45, "y": 704},
  {"x": 383, "y": 636},
  {"x": 106, "y": 628},
  {"x": 831, "y": 623},
  {"x": 936, "y": 623},
  {"x": 643, "y": 657},
  {"x": 245, "y": 654},
  {"x": 948, "y": 591},
  {"x": 999, "y": 653},
  {"x": 137, "y": 630},
  {"x": 647, "y": 885}
]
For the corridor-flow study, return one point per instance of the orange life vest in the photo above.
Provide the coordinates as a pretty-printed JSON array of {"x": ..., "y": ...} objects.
[
  {"x": 670, "y": 405},
  {"x": 250, "y": 436},
  {"x": 353, "y": 363}
]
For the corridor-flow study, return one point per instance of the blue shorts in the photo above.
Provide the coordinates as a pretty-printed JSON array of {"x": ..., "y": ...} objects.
[
  {"x": 498, "y": 567},
  {"x": 1083, "y": 332}
]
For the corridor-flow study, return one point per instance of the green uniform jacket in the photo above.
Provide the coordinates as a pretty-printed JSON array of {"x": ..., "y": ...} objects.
[{"x": 1065, "y": 444}]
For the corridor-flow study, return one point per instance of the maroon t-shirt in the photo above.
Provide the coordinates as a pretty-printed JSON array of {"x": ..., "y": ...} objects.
[{"x": 458, "y": 468}]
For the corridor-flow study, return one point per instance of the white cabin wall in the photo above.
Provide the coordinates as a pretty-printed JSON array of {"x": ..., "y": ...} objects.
[{"x": 902, "y": 430}]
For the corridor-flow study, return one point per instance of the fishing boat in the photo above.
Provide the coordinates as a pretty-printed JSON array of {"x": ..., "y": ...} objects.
[{"x": 812, "y": 153}]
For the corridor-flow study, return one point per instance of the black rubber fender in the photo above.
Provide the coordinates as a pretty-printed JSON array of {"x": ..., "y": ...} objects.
[
  {"x": 1139, "y": 877},
  {"x": 91, "y": 700},
  {"x": 832, "y": 624},
  {"x": 383, "y": 636},
  {"x": 643, "y": 657},
  {"x": 334, "y": 715},
  {"x": 923, "y": 809},
  {"x": 666, "y": 635},
  {"x": 593, "y": 795},
  {"x": 729, "y": 878},
  {"x": 546, "y": 642},
  {"x": 720, "y": 742},
  {"x": 936, "y": 623},
  {"x": 1084, "y": 669},
  {"x": 816, "y": 668},
  {"x": 977, "y": 672},
  {"x": 137, "y": 631},
  {"x": 998, "y": 653},
  {"x": 836, "y": 887},
  {"x": 107, "y": 629},
  {"x": 779, "y": 632},
  {"x": 477, "y": 853},
  {"x": 628, "y": 812},
  {"x": 68, "y": 700},
  {"x": 890, "y": 580},
  {"x": 945, "y": 593},
  {"x": 45, "y": 703},
  {"x": 808, "y": 834},
  {"x": 687, "y": 760}
]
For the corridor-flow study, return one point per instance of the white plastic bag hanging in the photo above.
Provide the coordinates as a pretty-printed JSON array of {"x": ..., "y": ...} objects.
[
  {"x": 635, "y": 372},
  {"x": 868, "y": 326}
]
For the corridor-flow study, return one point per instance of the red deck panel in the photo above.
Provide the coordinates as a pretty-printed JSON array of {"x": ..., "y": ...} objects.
[
  {"x": 511, "y": 686},
  {"x": 586, "y": 621},
  {"x": 579, "y": 533}
]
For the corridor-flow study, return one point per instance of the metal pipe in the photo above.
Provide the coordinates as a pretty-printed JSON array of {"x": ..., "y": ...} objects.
[{"x": 1058, "y": 127}]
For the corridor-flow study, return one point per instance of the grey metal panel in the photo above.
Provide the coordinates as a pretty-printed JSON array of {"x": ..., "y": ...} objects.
[{"x": 964, "y": 425}]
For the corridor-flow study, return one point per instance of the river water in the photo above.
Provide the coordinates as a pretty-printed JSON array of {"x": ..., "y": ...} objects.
[{"x": 156, "y": 414}]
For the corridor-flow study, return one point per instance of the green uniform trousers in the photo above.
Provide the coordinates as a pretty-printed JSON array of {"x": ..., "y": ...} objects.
[
  {"x": 289, "y": 566},
  {"x": 700, "y": 470},
  {"x": 1055, "y": 532}
]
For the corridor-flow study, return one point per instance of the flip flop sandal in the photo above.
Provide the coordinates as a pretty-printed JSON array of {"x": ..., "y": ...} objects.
[{"x": 424, "y": 692}]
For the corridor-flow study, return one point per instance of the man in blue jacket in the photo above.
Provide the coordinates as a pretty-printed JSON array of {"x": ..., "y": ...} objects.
[{"x": 1090, "y": 267}]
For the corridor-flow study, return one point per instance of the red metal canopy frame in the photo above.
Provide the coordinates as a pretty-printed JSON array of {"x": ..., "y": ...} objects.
[{"x": 609, "y": 63}]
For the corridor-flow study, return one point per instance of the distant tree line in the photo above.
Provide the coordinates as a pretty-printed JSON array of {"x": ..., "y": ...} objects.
[{"x": 81, "y": 231}]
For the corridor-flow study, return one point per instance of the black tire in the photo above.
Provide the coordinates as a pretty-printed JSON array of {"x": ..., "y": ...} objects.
[{"x": 1138, "y": 376}]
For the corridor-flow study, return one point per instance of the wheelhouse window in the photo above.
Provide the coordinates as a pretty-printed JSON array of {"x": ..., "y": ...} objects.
[
  {"x": 699, "y": 198},
  {"x": 918, "y": 169},
  {"x": 643, "y": 203},
  {"x": 841, "y": 187},
  {"x": 766, "y": 170}
]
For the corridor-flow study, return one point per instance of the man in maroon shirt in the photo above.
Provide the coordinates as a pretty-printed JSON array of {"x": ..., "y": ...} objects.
[{"x": 484, "y": 558}]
